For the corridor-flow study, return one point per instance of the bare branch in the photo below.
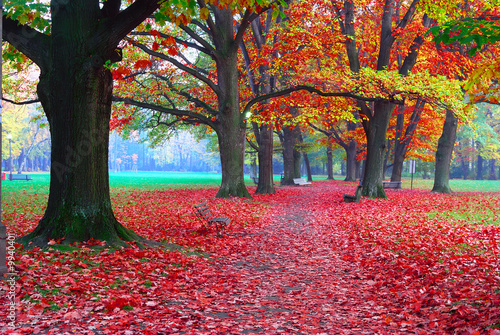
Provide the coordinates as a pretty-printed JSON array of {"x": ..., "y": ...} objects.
[{"x": 27, "y": 102}]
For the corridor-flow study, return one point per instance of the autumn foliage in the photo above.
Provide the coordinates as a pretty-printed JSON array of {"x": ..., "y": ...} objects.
[{"x": 299, "y": 261}]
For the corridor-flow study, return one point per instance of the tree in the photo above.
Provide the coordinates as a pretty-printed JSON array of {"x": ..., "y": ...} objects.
[
  {"x": 444, "y": 153},
  {"x": 261, "y": 81},
  {"x": 73, "y": 52},
  {"x": 217, "y": 104}
]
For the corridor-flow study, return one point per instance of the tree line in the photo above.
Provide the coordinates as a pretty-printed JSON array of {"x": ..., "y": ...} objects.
[{"x": 355, "y": 74}]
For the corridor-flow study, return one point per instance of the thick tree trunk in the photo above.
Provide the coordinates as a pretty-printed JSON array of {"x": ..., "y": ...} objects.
[
  {"x": 79, "y": 205},
  {"x": 376, "y": 148},
  {"x": 444, "y": 153},
  {"x": 265, "y": 141},
  {"x": 232, "y": 129},
  {"x": 75, "y": 90}
]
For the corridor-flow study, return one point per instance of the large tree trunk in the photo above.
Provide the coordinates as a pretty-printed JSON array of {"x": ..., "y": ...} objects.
[
  {"x": 265, "y": 141},
  {"x": 75, "y": 90},
  {"x": 232, "y": 129},
  {"x": 444, "y": 153},
  {"x": 76, "y": 97},
  {"x": 375, "y": 151}
]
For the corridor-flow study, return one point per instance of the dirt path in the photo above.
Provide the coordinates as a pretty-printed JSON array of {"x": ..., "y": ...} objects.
[{"x": 291, "y": 280}]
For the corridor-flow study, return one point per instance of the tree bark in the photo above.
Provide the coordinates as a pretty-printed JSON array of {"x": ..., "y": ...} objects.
[
  {"x": 375, "y": 150},
  {"x": 265, "y": 154},
  {"x": 444, "y": 153},
  {"x": 232, "y": 129},
  {"x": 75, "y": 91}
]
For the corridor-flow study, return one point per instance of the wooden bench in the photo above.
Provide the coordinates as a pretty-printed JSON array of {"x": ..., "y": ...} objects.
[
  {"x": 204, "y": 214},
  {"x": 392, "y": 184},
  {"x": 16, "y": 176},
  {"x": 301, "y": 181},
  {"x": 386, "y": 184},
  {"x": 354, "y": 198}
]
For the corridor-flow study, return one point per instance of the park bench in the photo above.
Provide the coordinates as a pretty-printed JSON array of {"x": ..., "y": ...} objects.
[
  {"x": 392, "y": 184},
  {"x": 354, "y": 198},
  {"x": 204, "y": 214},
  {"x": 17, "y": 176},
  {"x": 301, "y": 181},
  {"x": 387, "y": 184}
]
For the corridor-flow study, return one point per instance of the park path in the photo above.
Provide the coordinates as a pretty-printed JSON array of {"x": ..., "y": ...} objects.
[{"x": 291, "y": 278}]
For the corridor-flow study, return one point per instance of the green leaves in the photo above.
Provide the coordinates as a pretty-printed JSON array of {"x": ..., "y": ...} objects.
[{"x": 472, "y": 32}]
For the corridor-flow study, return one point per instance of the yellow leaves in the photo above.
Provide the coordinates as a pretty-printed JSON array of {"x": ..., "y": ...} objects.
[
  {"x": 204, "y": 13},
  {"x": 482, "y": 84}
]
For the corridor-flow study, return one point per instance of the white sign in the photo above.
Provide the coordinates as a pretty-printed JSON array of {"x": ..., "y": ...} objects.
[{"x": 413, "y": 164}]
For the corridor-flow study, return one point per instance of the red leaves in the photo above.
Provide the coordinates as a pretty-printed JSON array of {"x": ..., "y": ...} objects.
[
  {"x": 142, "y": 64},
  {"x": 172, "y": 51},
  {"x": 299, "y": 261}
]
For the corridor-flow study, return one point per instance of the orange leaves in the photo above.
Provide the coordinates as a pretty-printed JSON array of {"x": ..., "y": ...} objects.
[
  {"x": 169, "y": 41},
  {"x": 142, "y": 64}
]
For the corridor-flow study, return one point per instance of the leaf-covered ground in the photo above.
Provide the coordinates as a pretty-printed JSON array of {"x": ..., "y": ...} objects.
[{"x": 298, "y": 262}]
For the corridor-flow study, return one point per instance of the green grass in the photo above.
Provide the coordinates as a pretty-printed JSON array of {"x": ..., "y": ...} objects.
[
  {"x": 457, "y": 185},
  {"x": 136, "y": 180},
  {"x": 159, "y": 180}
]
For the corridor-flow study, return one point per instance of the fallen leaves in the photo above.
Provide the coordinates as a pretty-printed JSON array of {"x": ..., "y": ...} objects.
[{"x": 300, "y": 261}]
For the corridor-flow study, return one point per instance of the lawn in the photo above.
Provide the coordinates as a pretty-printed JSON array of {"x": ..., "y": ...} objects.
[{"x": 432, "y": 259}]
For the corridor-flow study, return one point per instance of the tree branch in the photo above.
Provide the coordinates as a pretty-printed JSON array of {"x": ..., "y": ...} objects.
[
  {"x": 312, "y": 90},
  {"x": 30, "y": 42},
  {"x": 209, "y": 49},
  {"x": 179, "y": 65},
  {"x": 178, "y": 112},
  {"x": 188, "y": 96},
  {"x": 117, "y": 27},
  {"x": 27, "y": 102},
  {"x": 177, "y": 40}
]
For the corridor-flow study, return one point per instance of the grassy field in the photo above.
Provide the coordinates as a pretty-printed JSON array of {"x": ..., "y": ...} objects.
[{"x": 162, "y": 180}]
